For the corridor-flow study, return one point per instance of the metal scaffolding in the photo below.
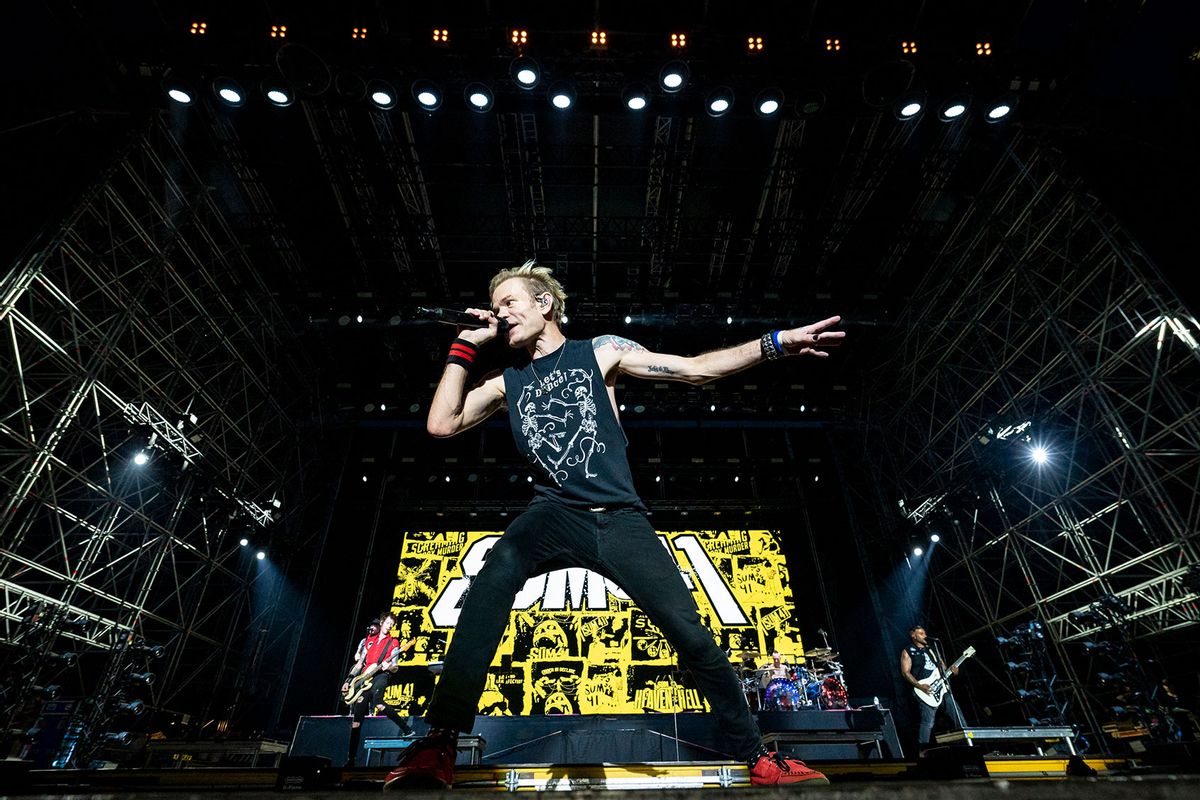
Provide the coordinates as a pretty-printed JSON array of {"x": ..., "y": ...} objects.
[
  {"x": 1043, "y": 324},
  {"x": 142, "y": 329}
]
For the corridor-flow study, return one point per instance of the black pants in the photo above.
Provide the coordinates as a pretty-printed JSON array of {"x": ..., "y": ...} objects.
[
  {"x": 929, "y": 714},
  {"x": 620, "y": 545}
]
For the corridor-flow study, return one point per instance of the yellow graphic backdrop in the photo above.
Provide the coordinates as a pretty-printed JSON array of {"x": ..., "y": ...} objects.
[{"x": 575, "y": 644}]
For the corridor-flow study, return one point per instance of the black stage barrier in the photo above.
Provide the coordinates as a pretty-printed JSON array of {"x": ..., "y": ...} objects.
[{"x": 866, "y": 734}]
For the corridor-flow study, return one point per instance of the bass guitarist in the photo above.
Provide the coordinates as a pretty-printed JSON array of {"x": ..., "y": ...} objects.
[
  {"x": 375, "y": 660},
  {"x": 919, "y": 666}
]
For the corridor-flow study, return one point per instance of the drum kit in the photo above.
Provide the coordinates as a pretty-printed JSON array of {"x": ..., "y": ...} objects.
[{"x": 819, "y": 683}]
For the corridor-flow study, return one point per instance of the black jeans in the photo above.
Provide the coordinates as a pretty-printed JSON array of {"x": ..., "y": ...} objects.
[
  {"x": 929, "y": 714},
  {"x": 622, "y": 546}
]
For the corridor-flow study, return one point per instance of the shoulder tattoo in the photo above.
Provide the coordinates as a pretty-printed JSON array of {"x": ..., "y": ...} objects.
[{"x": 618, "y": 343}]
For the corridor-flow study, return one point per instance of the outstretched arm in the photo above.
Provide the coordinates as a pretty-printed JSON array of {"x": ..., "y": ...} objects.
[{"x": 630, "y": 358}]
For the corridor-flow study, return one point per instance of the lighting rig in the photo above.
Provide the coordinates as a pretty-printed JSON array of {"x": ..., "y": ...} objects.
[
  {"x": 1136, "y": 697},
  {"x": 1033, "y": 677},
  {"x": 723, "y": 74}
]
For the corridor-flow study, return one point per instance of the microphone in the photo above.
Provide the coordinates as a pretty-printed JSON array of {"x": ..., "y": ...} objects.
[{"x": 449, "y": 316}]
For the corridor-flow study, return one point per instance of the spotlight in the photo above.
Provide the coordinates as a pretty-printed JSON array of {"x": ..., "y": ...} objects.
[
  {"x": 179, "y": 91},
  {"x": 768, "y": 102},
  {"x": 1005, "y": 641},
  {"x": 1086, "y": 616},
  {"x": 933, "y": 537},
  {"x": 229, "y": 91},
  {"x": 66, "y": 659},
  {"x": 141, "y": 678},
  {"x": 917, "y": 551},
  {"x": 1022, "y": 666},
  {"x": 729, "y": 320},
  {"x": 441, "y": 36},
  {"x": 719, "y": 102},
  {"x": 260, "y": 555},
  {"x": 519, "y": 36},
  {"x": 678, "y": 40},
  {"x": 628, "y": 319},
  {"x": 562, "y": 96},
  {"x": 525, "y": 72},
  {"x": 910, "y": 105},
  {"x": 46, "y": 692},
  {"x": 673, "y": 77},
  {"x": 427, "y": 94},
  {"x": 141, "y": 458},
  {"x": 810, "y": 103},
  {"x": 635, "y": 97},
  {"x": 244, "y": 542},
  {"x": 1039, "y": 455},
  {"x": 479, "y": 97},
  {"x": 278, "y": 93},
  {"x": 1111, "y": 677},
  {"x": 134, "y": 708},
  {"x": 382, "y": 94},
  {"x": 1001, "y": 108},
  {"x": 954, "y": 108},
  {"x": 148, "y": 650},
  {"x": 1094, "y": 648}
]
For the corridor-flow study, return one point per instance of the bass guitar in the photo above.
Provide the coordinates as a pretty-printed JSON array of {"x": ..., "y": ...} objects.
[
  {"x": 940, "y": 685},
  {"x": 358, "y": 686}
]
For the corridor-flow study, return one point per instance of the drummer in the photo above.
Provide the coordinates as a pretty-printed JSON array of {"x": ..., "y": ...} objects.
[{"x": 778, "y": 668}]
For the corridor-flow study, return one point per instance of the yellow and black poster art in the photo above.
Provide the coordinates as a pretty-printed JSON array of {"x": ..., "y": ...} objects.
[{"x": 575, "y": 643}]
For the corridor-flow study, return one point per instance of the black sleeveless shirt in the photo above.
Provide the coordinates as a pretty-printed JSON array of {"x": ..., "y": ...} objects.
[
  {"x": 923, "y": 665},
  {"x": 564, "y": 423}
]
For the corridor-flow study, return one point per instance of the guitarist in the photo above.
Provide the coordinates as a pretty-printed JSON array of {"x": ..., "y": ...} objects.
[
  {"x": 919, "y": 666},
  {"x": 377, "y": 653}
]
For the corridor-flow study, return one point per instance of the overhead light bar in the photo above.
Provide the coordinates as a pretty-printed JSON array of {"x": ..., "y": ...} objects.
[
  {"x": 719, "y": 102},
  {"x": 673, "y": 77}
]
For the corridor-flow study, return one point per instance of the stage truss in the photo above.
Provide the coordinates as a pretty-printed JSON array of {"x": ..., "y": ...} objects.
[
  {"x": 142, "y": 326},
  {"x": 1042, "y": 323}
]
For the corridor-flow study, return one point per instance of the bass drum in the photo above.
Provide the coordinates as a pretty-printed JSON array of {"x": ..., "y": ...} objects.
[
  {"x": 832, "y": 694},
  {"x": 782, "y": 695}
]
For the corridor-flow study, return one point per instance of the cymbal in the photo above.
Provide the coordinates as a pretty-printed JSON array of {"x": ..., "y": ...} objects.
[
  {"x": 744, "y": 654},
  {"x": 825, "y": 653}
]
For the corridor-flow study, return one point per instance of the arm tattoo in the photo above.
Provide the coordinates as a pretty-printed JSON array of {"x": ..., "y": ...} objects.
[
  {"x": 618, "y": 343},
  {"x": 660, "y": 369}
]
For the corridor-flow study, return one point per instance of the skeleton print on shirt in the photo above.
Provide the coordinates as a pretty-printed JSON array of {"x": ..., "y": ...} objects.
[{"x": 558, "y": 421}]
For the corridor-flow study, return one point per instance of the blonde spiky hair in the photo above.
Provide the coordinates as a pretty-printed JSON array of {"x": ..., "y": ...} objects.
[{"x": 539, "y": 280}]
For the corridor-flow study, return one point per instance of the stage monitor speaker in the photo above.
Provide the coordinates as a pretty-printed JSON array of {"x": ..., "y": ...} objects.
[
  {"x": 950, "y": 762},
  {"x": 305, "y": 773}
]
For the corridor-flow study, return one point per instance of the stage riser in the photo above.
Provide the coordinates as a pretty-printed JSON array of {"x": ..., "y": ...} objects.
[{"x": 816, "y": 735}]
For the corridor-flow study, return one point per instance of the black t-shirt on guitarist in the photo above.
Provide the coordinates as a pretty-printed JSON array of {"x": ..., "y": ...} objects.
[{"x": 923, "y": 665}]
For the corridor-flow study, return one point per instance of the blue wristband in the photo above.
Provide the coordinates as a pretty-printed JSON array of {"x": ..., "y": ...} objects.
[{"x": 775, "y": 339}]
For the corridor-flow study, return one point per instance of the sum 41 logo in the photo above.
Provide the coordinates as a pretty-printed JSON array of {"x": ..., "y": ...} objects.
[{"x": 576, "y": 589}]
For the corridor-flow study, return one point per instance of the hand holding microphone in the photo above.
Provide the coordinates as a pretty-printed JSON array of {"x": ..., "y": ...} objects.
[{"x": 473, "y": 319}]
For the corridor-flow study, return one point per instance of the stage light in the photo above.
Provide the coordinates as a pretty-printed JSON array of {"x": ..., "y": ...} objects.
[
  {"x": 382, "y": 94},
  {"x": 65, "y": 659},
  {"x": 983, "y": 48},
  {"x": 1095, "y": 648},
  {"x": 712, "y": 408},
  {"x": 525, "y": 72},
  {"x": 679, "y": 40},
  {"x": 179, "y": 93},
  {"x": 908, "y": 48},
  {"x": 833, "y": 45},
  {"x": 719, "y": 102},
  {"x": 628, "y": 319},
  {"x": 46, "y": 692},
  {"x": 810, "y": 103},
  {"x": 1001, "y": 108},
  {"x": 635, "y": 97},
  {"x": 954, "y": 108},
  {"x": 229, "y": 91},
  {"x": 917, "y": 551},
  {"x": 1111, "y": 677},
  {"x": 934, "y": 538},
  {"x": 768, "y": 102},
  {"x": 198, "y": 28},
  {"x": 519, "y": 36},
  {"x": 279, "y": 31},
  {"x": 599, "y": 40},
  {"x": 754, "y": 44},
  {"x": 134, "y": 708},
  {"x": 277, "y": 94},
  {"x": 562, "y": 96},
  {"x": 729, "y": 320},
  {"x": 1023, "y": 666},
  {"x": 479, "y": 97},
  {"x": 673, "y": 76},
  {"x": 910, "y": 105},
  {"x": 244, "y": 542},
  {"x": 260, "y": 555},
  {"x": 441, "y": 36},
  {"x": 358, "y": 319},
  {"x": 1039, "y": 455},
  {"x": 141, "y": 678},
  {"x": 428, "y": 96}
]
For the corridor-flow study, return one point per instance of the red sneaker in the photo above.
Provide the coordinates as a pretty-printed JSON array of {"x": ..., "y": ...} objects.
[
  {"x": 427, "y": 763},
  {"x": 774, "y": 768}
]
